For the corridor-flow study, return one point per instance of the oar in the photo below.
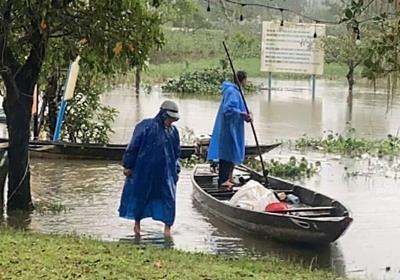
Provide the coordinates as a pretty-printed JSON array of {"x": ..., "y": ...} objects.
[{"x": 265, "y": 171}]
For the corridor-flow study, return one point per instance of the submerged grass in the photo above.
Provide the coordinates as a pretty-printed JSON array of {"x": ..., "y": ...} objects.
[
  {"x": 43, "y": 207},
  {"x": 25, "y": 255}
]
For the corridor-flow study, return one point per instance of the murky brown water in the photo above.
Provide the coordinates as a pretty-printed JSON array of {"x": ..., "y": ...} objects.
[{"x": 91, "y": 189}]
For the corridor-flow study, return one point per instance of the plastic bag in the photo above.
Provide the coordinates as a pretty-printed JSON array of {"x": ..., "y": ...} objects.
[{"x": 253, "y": 196}]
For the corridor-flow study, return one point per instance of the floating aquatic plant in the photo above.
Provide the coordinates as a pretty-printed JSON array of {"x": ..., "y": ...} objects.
[
  {"x": 293, "y": 169},
  {"x": 350, "y": 144},
  {"x": 203, "y": 82}
]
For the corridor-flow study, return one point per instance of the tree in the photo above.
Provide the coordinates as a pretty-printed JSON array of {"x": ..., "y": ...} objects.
[
  {"x": 346, "y": 51},
  {"x": 87, "y": 120},
  {"x": 100, "y": 31},
  {"x": 348, "y": 47},
  {"x": 381, "y": 53}
]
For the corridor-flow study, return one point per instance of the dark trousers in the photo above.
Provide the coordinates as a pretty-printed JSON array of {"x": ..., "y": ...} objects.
[{"x": 225, "y": 171}]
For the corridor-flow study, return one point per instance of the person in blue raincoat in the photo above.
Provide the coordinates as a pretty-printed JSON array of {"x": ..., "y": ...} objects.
[
  {"x": 227, "y": 144},
  {"x": 151, "y": 166}
]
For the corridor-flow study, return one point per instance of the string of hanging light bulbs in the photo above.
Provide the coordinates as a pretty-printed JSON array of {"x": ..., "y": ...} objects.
[
  {"x": 282, "y": 10},
  {"x": 287, "y": 10}
]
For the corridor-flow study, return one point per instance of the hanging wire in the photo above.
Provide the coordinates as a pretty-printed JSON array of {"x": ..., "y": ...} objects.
[
  {"x": 295, "y": 12},
  {"x": 282, "y": 10}
]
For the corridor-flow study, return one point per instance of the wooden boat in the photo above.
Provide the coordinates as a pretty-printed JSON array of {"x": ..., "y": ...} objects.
[
  {"x": 320, "y": 219},
  {"x": 47, "y": 149}
]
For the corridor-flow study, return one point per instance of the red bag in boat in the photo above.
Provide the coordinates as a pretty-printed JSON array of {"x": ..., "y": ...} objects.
[{"x": 276, "y": 207}]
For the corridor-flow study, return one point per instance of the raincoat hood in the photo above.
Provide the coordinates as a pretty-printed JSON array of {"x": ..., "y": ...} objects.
[{"x": 227, "y": 85}]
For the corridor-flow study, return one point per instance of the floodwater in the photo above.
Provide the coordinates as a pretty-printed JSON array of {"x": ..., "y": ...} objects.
[{"x": 90, "y": 190}]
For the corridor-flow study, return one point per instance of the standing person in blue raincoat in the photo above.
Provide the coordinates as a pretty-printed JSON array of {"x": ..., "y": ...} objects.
[
  {"x": 227, "y": 143},
  {"x": 151, "y": 166}
]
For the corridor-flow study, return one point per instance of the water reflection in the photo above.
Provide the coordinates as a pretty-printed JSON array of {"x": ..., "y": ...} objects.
[
  {"x": 90, "y": 192},
  {"x": 243, "y": 242},
  {"x": 288, "y": 114},
  {"x": 16, "y": 219},
  {"x": 149, "y": 238}
]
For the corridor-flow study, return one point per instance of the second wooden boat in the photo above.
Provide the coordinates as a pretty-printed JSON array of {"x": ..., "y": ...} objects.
[{"x": 47, "y": 149}]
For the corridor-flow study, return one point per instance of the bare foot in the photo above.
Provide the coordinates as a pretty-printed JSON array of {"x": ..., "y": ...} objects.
[
  {"x": 228, "y": 185},
  {"x": 136, "y": 228},
  {"x": 167, "y": 231}
]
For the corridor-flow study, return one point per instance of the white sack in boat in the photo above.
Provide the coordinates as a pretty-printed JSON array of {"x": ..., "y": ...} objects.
[{"x": 253, "y": 196}]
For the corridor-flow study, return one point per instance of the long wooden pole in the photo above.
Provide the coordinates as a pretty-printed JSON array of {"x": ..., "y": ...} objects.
[{"x": 265, "y": 171}]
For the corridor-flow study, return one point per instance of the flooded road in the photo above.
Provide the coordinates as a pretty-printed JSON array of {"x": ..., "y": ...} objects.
[{"x": 91, "y": 190}]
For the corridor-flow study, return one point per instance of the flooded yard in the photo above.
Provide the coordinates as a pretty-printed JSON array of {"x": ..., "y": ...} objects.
[{"x": 90, "y": 190}]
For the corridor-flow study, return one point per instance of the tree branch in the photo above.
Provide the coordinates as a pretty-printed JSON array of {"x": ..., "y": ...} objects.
[
  {"x": 33, "y": 64},
  {"x": 8, "y": 62}
]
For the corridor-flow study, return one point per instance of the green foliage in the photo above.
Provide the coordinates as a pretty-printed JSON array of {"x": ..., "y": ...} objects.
[
  {"x": 381, "y": 51},
  {"x": 102, "y": 32},
  {"x": 183, "y": 45},
  {"x": 293, "y": 169},
  {"x": 203, "y": 82},
  {"x": 187, "y": 46},
  {"x": 182, "y": 13},
  {"x": 87, "y": 120},
  {"x": 191, "y": 161},
  {"x": 109, "y": 37},
  {"x": 343, "y": 49},
  {"x": 207, "y": 81},
  {"x": 351, "y": 145},
  {"x": 244, "y": 45}
]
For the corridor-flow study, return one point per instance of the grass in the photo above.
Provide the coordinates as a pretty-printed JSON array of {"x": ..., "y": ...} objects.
[
  {"x": 162, "y": 72},
  {"x": 190, "y": 51},
  {"x": 25, "y": 255}
]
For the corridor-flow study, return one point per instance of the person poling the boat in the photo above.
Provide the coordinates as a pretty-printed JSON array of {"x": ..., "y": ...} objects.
[
  {"x": 227, "y": 144},
  {"x": 151, "y": 166}
]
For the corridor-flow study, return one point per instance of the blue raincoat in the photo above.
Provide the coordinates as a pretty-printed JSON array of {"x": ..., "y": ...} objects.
[
  {"x": 152, "y": 156},
  {"x": 227, "y": 140}
]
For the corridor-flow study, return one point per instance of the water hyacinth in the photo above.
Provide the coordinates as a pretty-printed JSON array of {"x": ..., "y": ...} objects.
[
  {"x": 293, "y": 169},
  {"x": 203, "y": 82},
  {"x": 191, "y": 161},
  {"x": 351, "y": 145}
]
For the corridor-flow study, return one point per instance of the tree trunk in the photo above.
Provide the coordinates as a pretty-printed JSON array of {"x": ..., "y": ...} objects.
[
  {"x": 3, "y": 176},
  {"x": 350, "y": 81},
  {"x": 18, "y": 120},
  {"x": 19, "y": 81},
  {"x": 137, "y": 80}
]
